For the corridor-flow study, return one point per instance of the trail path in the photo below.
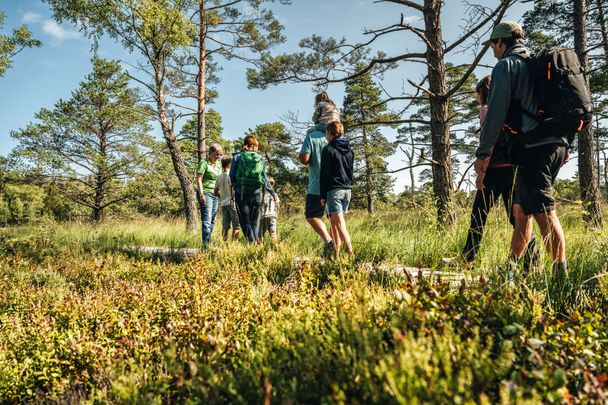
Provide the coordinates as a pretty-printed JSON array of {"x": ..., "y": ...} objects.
[{"x": 394, "y": 270}]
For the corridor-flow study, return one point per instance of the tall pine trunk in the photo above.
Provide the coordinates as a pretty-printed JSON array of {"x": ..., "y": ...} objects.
[
  {"x": 601, "y": 10},
  {"x": 100, "y": 179},
  {"x": 179, "y": 165},
  {"x": 440, "y": 130},
  {"x": 202, "y": 65},
  {"x": 368, "y": 174},
  {"x": 586, "y": 165}
]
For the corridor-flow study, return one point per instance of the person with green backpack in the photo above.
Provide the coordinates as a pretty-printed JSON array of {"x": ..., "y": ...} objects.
[{"x": 248, "y": 176}]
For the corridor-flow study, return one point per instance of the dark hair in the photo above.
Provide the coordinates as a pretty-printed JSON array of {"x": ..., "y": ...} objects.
[
  {"x": 335, "y": 128},
  {"x": 226, "y": 162},
  {"x": 483, "y": 88},
  {"x": 323, "y": 96},
  {"x": 517, "y": 37},
  {"x": 250, "y": 142}
]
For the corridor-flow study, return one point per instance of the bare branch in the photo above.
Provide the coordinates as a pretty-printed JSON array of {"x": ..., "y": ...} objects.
[{"x": 403, "y": 3}]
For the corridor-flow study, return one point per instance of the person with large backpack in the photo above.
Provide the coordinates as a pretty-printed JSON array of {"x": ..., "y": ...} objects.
[
  {"x": 537, "y": 149},
  {"x": 248, "y": 176},
  {"x": 497, "y": 182}
]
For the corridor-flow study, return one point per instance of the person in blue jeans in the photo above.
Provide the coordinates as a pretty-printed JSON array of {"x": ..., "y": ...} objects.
[
  {"x": 337, "y": 163},
  {"x": 248, "y": 176},
  {"x": 207, "y": 171}
]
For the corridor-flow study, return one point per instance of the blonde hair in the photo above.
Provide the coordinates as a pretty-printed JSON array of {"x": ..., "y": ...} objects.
[
  {"x": 335, "y": 129},
  {"x": 216, "y": 147}
]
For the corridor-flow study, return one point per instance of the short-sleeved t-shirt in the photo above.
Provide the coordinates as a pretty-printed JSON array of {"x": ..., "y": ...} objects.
[
  {"x": 210, "y": 173},
  {"x": 224, "y": 188},
  {"x": 313, "y": 145}
]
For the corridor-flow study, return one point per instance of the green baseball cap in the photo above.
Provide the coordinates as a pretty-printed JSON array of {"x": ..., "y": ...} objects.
[{"x": 503, "y": 30}]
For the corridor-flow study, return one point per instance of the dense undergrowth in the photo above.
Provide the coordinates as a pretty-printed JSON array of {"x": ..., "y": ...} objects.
[{"x": 82, "y": 321}]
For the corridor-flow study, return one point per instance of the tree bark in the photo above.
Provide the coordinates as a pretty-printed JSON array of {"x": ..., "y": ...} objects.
[
  {"x": 100, "y": 179},
  {"x": 602, "y": 24},
  {"x": 440, "y": 130},
  {"x": 586, "y": 164},
  {"x": 188, "y": 194},
  {"x": 202, "y": 65},
  {"x": 368, "y": 174}
]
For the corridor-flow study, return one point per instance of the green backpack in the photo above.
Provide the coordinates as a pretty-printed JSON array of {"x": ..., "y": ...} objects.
[{"x": 250, "y": 172}]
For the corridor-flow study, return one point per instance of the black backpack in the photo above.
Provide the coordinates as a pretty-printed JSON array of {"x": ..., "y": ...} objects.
[{"x": 564, "y": 102}]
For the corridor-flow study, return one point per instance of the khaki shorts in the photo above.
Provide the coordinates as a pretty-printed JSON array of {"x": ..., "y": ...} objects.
[
  {"x": 230, "y": 217},
  {"x": 268, "y": 224}
]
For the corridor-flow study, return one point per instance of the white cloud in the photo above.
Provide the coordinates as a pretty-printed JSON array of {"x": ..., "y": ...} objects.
[
  {"x": 57, "y": 32},
  {"x": 410, "y": 19},
  {"x": 31, "y": 17}
]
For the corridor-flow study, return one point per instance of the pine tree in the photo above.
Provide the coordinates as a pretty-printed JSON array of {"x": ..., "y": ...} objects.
[
  {"x": 92, "y": 144},
  {"x": 11, "y": 45},
  {"x": 362, "y": 105}
]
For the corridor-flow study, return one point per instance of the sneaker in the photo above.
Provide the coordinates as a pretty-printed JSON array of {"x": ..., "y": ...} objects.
[{"x": 328, "y": 249}]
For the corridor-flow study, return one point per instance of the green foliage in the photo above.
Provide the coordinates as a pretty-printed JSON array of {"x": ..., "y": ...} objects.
[
  {"x": 20, "y": 204},
  {"x": 92, "y": 144},
  {"x": 363, "y": 104},
  {"x": 464, "y": 125},
  {"x": 11, "y": 45},
  {"x": 272, "y": 322},
  {"x": 213, "y": 134}
]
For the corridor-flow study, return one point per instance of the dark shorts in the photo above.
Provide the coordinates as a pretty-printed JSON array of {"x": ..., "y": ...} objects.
[
  {"x": 313, "y": 209},
  {"x": 535, "y": 176}
]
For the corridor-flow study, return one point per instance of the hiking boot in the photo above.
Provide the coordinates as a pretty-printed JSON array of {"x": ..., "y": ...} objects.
[{"x": 328, "y": 249}]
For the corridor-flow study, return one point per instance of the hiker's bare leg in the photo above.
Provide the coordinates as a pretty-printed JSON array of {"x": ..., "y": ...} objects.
[
  {"x": 553, "y": 235},
  {"x": 522, "y": 232},
  {"x": 319, "y": 227}
]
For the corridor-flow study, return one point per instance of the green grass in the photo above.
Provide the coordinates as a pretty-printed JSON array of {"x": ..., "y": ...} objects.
[{"x": 82, "y": 321}]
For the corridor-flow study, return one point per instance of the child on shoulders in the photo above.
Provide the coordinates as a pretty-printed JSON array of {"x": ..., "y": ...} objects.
[{"x": 325, "y": 112}]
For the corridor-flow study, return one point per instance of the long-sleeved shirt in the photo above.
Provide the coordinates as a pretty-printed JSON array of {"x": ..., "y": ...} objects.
[
  {"x": 325, "y": 113},
  {"x": 511, "y": 81},
  {"x": 337, "y": 165}
]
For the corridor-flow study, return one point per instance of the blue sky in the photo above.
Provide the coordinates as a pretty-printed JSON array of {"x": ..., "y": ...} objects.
[{"x": 41, "y": 76}]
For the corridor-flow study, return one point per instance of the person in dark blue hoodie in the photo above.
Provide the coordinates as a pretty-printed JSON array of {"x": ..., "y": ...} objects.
[{"x": 337, "y": 161}]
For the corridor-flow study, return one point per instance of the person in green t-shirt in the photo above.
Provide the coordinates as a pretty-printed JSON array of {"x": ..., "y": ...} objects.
[{"x": 207, "y": 172}]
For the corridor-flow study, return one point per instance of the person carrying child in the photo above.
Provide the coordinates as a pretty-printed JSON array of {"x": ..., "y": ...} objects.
[
  {"x": 223, "y": 189},
  {"x": 337, "y": 163},
  {"x": 325, "y": 112},
  {"x": 268, "y": 213}
]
